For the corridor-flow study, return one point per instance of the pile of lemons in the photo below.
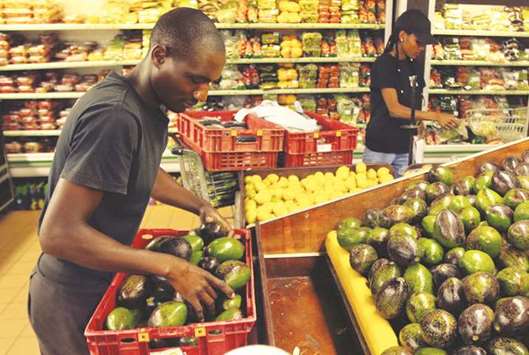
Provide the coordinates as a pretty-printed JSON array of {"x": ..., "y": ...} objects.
[{"x": 276, "y": 196}]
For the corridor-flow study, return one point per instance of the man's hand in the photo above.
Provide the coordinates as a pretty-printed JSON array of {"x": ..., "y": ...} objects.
[
  {"x": 447, "y": 120},
  {"x": 197, "y": 286},
  {"x": 208, "y": 214}
]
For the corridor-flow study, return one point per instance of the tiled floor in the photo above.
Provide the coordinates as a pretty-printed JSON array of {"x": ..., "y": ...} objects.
[{"x": 19, "y": 250}]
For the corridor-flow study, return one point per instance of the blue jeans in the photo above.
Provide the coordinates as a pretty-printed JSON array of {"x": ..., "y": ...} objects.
[{"x": 399, "y": 162}]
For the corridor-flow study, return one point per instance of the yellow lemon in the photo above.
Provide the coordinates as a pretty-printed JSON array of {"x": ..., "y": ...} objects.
[
  {"x": 293, "y": 179},
  {"x": 319, "y": 175},
  {"x": 259, "y": 186},
  {"x": 382, "y": 171},
  {"x": 342, "y": 172},
  {"x": 283, "y": 182},
  {"x": 251, "y": 216},
  {"x": 371, "y": 174},
  {"x": 256, "y": 179},
  {"x": 248, "y": 179},
  {"x": 250, "y": 204},
  {"x": 288, "y": 194},
  {"x": 360, "y": 168},
  {"x": 272, "y": 178},
  {"x": 291, "y": 206},
  {"x": 279, "y": 209},
  {"x": 329, "y": 175},
  {"x": 250, "y": 193},
  {"x": 263, "y": 197}
]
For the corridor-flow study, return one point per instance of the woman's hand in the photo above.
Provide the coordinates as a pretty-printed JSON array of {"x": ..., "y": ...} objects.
[{"x": 446, "y": 120}]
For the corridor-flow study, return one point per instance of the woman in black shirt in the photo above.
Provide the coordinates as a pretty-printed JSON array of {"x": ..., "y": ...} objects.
[{"x": 387, "y": 142}]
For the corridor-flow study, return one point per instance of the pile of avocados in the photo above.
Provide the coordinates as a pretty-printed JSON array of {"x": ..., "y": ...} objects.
[
  {"x": 448, "y": 261},
  {"x": 150, "y": 300}
]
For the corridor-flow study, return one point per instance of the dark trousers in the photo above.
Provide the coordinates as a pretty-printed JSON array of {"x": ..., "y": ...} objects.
[{"x": 59, "y": 314}]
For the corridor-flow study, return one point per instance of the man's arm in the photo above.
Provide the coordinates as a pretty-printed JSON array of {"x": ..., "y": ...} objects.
[
  {"x": 167, "y": 191},
  {"x": 65, "y": 233}
]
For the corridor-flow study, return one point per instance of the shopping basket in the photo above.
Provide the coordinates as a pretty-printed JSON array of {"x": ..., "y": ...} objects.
[{"x": 508, "y": 124}]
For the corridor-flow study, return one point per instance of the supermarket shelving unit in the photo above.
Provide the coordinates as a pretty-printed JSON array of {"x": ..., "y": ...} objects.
[
  {"x": 455, "y": 149},
  {"x": 38, "y": 164}
]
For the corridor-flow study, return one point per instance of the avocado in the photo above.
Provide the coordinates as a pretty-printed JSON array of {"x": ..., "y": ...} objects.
[
  {"x": 430, "y": 351},
  {"x": 178, "y": 247},
  {"x": 440, "y": 203},
  {"x": 121, "y": 318},
  {"x": 515, "y": 196},
  {"x": 475, "y": 324},
  {"x": 439, "y": 328},
  {"x": 234, "y": 302},
  {"x": 454, "y": 255},
  {"x": 410, "y": 336},
  {"x": 481, "y": 287},
  {"x": 209, "y": 263},
  {"x": 488, "y": 167},
  {"x": 486, "y": 239},
  {"x": 499, "y": 217},
  {"x": 428, "y": 224},
  {"x": 195, "y": 241},
  {"x": 134, "y": 291},
  {"x": 378, "y": 239},
  {"x": 196, "y": 257},
  {"x": 513, "y": 257},
  {"x": 483, "y": 181},
  {"x": 442, "y": 272},
  {"x": 154, "y": 245},
  {"x": 448, "y": 229},
  {"x": 507, "y": 346},
  {"x": 403, "y": 249},
  {"x": 361, "y": 257},
  {"x": 476, "y": 261},
  {"x": 470, "y": 350},
  {"x": 382, "y": 275},
  {"x": 470, "y": 217},
  {"x": 419, "y": 278},
  {"x": 419, "y": 208},
  {"x": 486, "y": 198},
  {"x": 522, "y": 169},
  {"x": 375, "y": 267},
  {"x": 390, "y": 300},
  {"x": 523, "y": 181},
  {"x": 349, "y": 223},
  {"x": 512, "y": 316},
  {"x": 403, "y": 229},
  {"x": 510, "y": 163},
  {"x": 397, "y": 214},
  {"x": 226, "y": 248},
  {"x": 451, "y": 295},
  {"x": 436, "y": 190},
  {"x": 397, "y": 350},
  {"x": 513, "y": 281},
  {"x": 458, "y": 203},
  {"x": 168, "y": 314},
  {"x": 372, "y": 218},
  {"x": 210, "y": 231},
  {"x": 235, "y": 273},
  {"x": 432, "y": 252},
  {"x": 411, "y": 194},
  {"x": 463, "y": 187},
  {"x": 418, "y": 305},
  {"x": 503, "y": 181},
  {"x": 349, "y": 237},
  {"x": 521, "y": 212},
  {"x": 442, "y": 174},
  {"x": 229, "y": 315},
  {"x": 518, "y": 235}
]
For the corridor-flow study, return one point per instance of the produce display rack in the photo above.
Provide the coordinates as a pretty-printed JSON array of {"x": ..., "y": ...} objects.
[{"x": 289, "y": 240}]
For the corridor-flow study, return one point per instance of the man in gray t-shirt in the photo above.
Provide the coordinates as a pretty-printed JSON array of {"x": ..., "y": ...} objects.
[{"x": 105, "y": 169}]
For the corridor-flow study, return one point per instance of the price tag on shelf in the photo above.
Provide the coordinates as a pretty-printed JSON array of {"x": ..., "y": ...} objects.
[{"x": 324, "y": 148}]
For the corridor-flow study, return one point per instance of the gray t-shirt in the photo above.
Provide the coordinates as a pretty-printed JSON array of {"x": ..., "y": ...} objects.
[{"x": 113, "y": 142}]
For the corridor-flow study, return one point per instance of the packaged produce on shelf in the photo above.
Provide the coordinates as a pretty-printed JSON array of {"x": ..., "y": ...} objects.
[
  {"x": 270, "y": 47},
  {"x": 286, "y": 100},
  {"x": 329, "y": 11},
  {"x": 307, "y": 102},
  {"x": 349, "y": 75},
  {"x": 350, "y": 10},
  {"x": 290, "y": 12},
  {"x": 30, "y": 145},
  {"x": 268, "y": 76},
  {"x": 250, "y": 77},
  {"x": 446, "y": 262},
  {"x": 327, "y": 106},
  {"x": 308, "y": 75},
  {"x": 480, "y": 78},
  {"x": 30, "y": 195},
  {"x": 291, "y": 47},
  {"x": 480, "y": 17},
  {"x": 486, "y": 49},
  {"x": 309, "y": 10},
  {"x": 328, "y": 76},
  {"x": 311, "y": 44},
  {"x": 288, "y": 77},
  {"x": 29, "y": 12},
  {"x": 41, "y": 82},
  {"x": 31, "y": 115},
  {"x": 232, "y": 79},
  {"x": 274, "y": 196}
]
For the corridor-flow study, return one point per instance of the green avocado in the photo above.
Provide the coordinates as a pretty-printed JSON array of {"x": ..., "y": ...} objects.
[
  {"x": 229, "y": 315},
  {"x": 196, "y": 257},
  {"x": 458, "y": 203},
  {"x": 484, "y": 181},
  {"x": 234, "y": 302},
  {"x": 226, "y": 248},
  {"x": 486, "y": 239},
  {"x": 432, "y": 252},
  {"x": 518, "y": 235},
  {"x": 449, "y": 229},
  {"x": 419, "y": 278},
  {"x": 410, "y": 336},
  {"x": 513, "y": 281},
  {"x": 475, "y": 261},
  {"x": 235, "y": 273},
  {"x": 195, "y": 241},
  {"x": 349, "y": 237},
  {"x": 418, "y": 305},
  {"x": 168, "y": 314},
  {"x": 361, "y": 257},
  {"x": 499, "y": 217},
  {"x": 122, "y": 318},
  {"x": 428, "y": 224},
  {"x": 399, "y": 229},
  {"x": 383, "y": 274},
  {"x": 486, "y": 198},
  {"x": 515, "y": 196},
  {"x": 470, "y": 217},
  {"x": 430, "y": 351},
  {"x": 521, "y": 212}
]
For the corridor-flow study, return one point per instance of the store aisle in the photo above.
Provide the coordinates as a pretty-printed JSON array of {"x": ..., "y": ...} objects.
[{"x": 19, "y": 250}]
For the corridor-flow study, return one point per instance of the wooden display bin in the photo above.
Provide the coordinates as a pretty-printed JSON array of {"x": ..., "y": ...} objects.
[{"x": 304, "y": 233}]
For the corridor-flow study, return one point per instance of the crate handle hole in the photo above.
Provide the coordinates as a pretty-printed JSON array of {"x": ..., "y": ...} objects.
[
  {"x": 215, "y": 332},
  {"x": 128, "y": 340}
]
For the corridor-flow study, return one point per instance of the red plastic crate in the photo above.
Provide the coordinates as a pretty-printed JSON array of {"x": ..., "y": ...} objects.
[
  {"x": 238, "y": 161},
  {"x": 334, "y": 136},
  {"x": 318, "y": 159},
  {"x": 262, "y": 136},
  {"x": 213, "y": 338}
]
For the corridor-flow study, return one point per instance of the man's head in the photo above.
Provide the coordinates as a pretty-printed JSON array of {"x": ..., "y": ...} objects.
[{"x": 187, "y": 53}]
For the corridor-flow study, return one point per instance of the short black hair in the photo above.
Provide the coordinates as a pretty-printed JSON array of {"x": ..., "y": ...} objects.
[{"x": 186, "y": 30}]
